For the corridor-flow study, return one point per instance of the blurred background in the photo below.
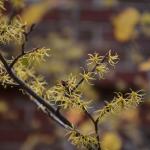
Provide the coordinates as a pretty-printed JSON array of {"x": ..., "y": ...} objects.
[{"x": 72, "y": 29}]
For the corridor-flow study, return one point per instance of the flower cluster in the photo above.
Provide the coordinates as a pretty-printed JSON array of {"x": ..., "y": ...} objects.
[
  {"x": 112, "y": 59},
  {"x": 22, "y": 71},
  {"x": 87, "y": 142},
  {"x": 94, "y": 59},
  {"x": 120, "y": 103},
  {"x": 35, "y": 56},
  {"x": 11, "y": 30},
  {"x": 5, "y": 79},
  {"x": 98, "y": 66},
  {"x": 64, "y": 96},
  {"x": 28, "y": 75},
  {"x": 88, "y": 76},
  {"x": 38, "y": 85},
  {"x": 101, "y": 70}
]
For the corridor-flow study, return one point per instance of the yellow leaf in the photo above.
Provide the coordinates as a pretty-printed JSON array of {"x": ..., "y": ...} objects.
[
  {"x": 124, "y": 24},
  {"x": 145, "y": 66},
  {"x": 3, "y": 107},
  {"x": 35, "y": 12},
  {"x": 111, "y": 141}
]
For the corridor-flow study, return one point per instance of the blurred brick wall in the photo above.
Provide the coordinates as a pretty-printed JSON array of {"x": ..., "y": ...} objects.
[
  {"x": 91, "y": 23},
  {"x": 22, "y": 125}
]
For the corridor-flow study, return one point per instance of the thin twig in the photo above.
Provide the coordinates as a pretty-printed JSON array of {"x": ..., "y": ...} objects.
[
  {"x": 20, "y": 56},
  {"x": 89, "y": 115},
  {"x": 23, "y": 46},
  {"x": 93, "y": 70},
  {"x": 12, "y": 15},
  {"x": 97, "y": 134},
  {"x": 26, "y": 35},
  {"x": 95, "y": 123},
  {"x": 12, "y": 84}
]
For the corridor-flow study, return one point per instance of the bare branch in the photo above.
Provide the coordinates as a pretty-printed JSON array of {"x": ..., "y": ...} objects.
[
  {"x": 97, "y": 134},
  {"x": 21, "y": 55},
  {"x": 54, "y": 114},
  {"x": 26, "y": 34}
]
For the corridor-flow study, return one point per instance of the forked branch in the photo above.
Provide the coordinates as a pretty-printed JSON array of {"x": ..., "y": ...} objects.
[{"x": 59, "y": 118}]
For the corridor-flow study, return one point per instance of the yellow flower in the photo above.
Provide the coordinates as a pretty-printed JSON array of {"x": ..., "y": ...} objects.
[
  {"x": 119, "y": 103},
  {"x": 4, "y": 77},
  {"x": 13, "y": 31},
  {"x": 87, "y": 76},
  {"x": 83, "y": 141},
  {"x": 102, "y": 69},
  {"x": 134, "y": 98},
  {"x": 38, "y": 85},
  {"x": 113, "y": 59},
  {"x": 94, "y": 59},
  {"x": 22, "y": 71},
  {"x": 63, "y": 96},
  {"x": 35, "y": 57}
]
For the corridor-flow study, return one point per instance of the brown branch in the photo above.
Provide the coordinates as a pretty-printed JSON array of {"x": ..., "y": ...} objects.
[
  {"x": 95, "y": 123},
  {"x": 26, "y": 35},
  {"x": 52, "y": 112},
  {"x": 97, "y": 134}
]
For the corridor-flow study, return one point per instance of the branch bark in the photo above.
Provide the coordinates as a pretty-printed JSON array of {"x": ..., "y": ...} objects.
[{"x": 52, "y": 112}]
